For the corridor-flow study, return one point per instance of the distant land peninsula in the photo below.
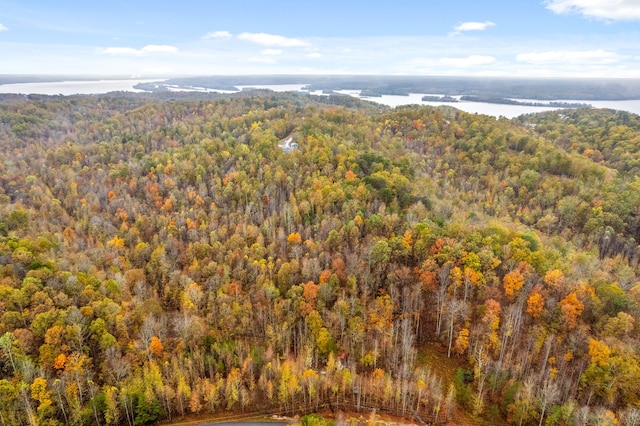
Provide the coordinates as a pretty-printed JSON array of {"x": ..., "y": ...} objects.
[
  {"x": 507, "y": 101},
  {"x": 478, "y": 89},
  {"x": 435, "y": 98},
  {"x": 503, "y": 101},
  {"x": 376, "y": 86}
]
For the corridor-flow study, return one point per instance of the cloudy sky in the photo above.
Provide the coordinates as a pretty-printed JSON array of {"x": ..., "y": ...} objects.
[{"x": 586, "y": 38}]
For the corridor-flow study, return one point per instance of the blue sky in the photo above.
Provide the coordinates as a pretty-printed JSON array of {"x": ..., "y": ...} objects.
[{"x": 585, "y": 38}]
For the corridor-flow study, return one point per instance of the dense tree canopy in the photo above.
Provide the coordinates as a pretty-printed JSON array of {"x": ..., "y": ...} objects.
[{"x": 160, "y": 258}]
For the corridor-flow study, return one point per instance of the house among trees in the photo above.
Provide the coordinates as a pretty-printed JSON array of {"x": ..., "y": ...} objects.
[{"x": 288, "y": 144}]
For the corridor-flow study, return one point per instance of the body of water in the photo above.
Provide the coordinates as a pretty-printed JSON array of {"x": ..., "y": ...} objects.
[
  {"x": 275, "y": 87},
  {"x": 496, "y": 110},
  {"x": 88, "y": 87}
]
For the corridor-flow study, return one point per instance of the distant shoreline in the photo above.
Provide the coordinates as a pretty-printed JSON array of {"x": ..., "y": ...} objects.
[
  {"x": 506, "y": 101},
  {"x": 490, "y": 104},
  {"x": 445, "y": 98},
  {"x": 536, "y": 89}
]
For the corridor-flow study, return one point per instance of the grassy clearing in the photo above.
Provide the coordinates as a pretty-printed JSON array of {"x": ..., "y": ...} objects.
[{"x": 434, "y": 356}]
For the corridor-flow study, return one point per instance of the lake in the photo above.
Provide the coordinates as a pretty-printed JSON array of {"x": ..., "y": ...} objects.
[
  {"x": 104, "y": 86},
  {"x": 88, "y": 87},
  {"x": 496, "y": 110}
]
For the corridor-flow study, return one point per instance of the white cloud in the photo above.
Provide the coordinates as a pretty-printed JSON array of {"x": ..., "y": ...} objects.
[
  {"x": 608, "y": 10},
  {"x": 130, "y": 51},
  {"x": 122, "y": 51},
  {"x": 407, "y": 55},
  {"x": 272, "y": 40},
  {"x": 570, "y": 57},
  {"x": 3, "y": 28},
  {"x": 262, "y": 60},
  {"x": 159, "y": 48},
  {"x": 272, "y": 52},
  {"x": 217, "y": 34},
  {"x": 473, "y": 26},
  {"x": 469, "y": 61}
]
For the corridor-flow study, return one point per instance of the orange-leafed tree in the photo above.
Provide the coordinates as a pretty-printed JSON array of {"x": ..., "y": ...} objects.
[
  {"x": 294, "y": 238},
  {"x": 571, "y": 308},
  {"x": 310, "y": 294},
  {"x": 324, "y": 276},
  {"x": 554, "y": 278},
  {"x": 60, "y": 362},
  {"x": 535, "y": 304},
  {"x": 491, "y": 324},
  {"x": 513, "y": 282},
  {"x": 155, "y": 346}
]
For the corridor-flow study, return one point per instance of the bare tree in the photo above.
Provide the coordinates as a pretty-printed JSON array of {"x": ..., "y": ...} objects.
[
  {"x": 581, "y": 416},
  {"x": 630, "y": 417},
  {"x": 441, "y": 294},
  {"x": 119, "y": 366},
  {"x": 455, "y": 309},
  {"x": 150, "y": 328},
  {"x": 548, "y": 393}
]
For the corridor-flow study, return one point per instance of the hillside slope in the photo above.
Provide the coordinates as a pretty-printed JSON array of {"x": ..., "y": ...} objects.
[{"x": 160, "y": 258}]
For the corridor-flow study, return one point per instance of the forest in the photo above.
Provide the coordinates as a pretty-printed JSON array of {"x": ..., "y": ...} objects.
[{"x": 162, "y": 258}]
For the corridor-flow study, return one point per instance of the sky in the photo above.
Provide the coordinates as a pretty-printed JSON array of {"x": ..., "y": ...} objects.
[{"x": 517, "y": 38}]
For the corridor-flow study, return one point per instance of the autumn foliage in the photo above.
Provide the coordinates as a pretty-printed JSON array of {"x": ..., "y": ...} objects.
[{"x": 161, "y": 258}]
